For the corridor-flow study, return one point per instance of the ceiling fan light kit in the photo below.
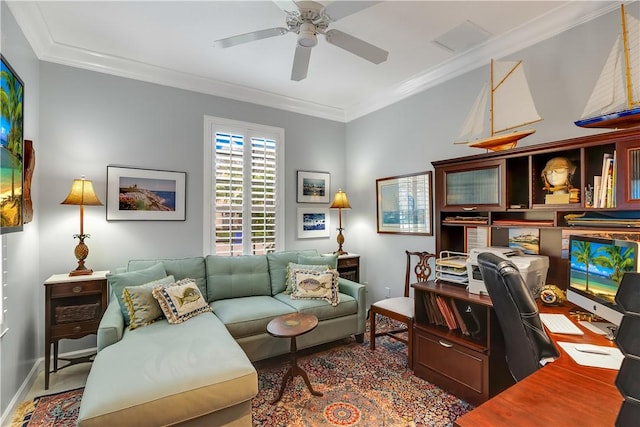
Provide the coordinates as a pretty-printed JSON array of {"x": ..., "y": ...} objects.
[
  {"x": 309, "y": 19},
  {"x": 307, "y": 36}
]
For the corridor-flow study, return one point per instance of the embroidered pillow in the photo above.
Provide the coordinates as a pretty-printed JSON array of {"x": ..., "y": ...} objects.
[
  {"x": 292, "y": 267},
  {"x": 142, "y": 307},
  {"x": 311, "y": 284},
  {"x": 180, "y": 301},
  {"x": 119, "y": 281}
]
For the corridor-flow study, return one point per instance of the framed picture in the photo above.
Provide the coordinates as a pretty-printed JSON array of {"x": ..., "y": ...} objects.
[
  {"x": 135, "y": 194},
  {"x": 404, "y": 204},
  {"x": 313, "y": 223},
  {"x": 314, "y": 187},
  {"x": 11, "y": 149}
]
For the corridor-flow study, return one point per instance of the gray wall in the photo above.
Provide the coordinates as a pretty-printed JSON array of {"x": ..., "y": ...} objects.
[
  {"x": 19, "y": 348},
  {"x": 406, "y": 137},
  {"x": 93, "y": 120},
  {"x": 90, "y": 120}
]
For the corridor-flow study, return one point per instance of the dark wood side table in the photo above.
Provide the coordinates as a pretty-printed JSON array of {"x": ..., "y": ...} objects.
[
  {"x": 349, "y": 267},
  {"x": 74, "y": 306},
  {"x": 291, "y": 326}
]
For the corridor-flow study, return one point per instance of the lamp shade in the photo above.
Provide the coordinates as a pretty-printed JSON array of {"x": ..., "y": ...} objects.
[
  {"x": 82, "y": 194},
  {"x": 340, "y": 201}
]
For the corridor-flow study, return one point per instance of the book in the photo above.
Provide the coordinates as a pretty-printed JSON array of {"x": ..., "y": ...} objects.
[
  {"x": 459, "y": 319},
  {"x": 603, "y": 183}
]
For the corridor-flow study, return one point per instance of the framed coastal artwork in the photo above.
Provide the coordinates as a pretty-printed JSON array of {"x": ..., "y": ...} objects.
[
  {"x": 525, "y": 239},
  {"x": 314, "y": 187},
  {"x": 313, "y": 222},
  {"x": 11, "y": 149},
  {"x": 135, "y": 194},
  {"x": 404, "y": 204}
]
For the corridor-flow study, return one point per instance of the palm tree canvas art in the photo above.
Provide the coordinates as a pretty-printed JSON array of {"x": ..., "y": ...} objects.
[
  {"x": 597, "y": 267},
  {"x": 11, "y": 149}
]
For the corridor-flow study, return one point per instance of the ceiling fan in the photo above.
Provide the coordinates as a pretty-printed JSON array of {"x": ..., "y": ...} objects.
[{"x": 307, "y": 19}]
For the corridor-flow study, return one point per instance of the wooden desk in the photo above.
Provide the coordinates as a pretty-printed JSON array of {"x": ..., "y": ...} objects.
[{"x": 562, "y": 393}]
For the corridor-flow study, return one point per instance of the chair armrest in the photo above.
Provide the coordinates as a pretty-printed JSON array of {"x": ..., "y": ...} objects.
[
  {"x": 111, "y": 326},
  {"x": 359, "y": 292}
]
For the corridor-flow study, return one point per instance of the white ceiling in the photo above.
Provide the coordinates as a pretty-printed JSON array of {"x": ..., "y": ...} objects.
[{"x": 171, "y": 43}]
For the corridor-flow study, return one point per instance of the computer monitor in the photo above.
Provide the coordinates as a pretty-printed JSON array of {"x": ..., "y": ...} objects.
[{"x": 596, "y": 267}]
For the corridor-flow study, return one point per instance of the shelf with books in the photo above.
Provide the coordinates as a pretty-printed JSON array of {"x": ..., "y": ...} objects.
[{"x": 457, "y": 342}]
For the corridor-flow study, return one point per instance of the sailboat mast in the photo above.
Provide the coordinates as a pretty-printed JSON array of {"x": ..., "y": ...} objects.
[
  {"x": 491, "y": 102},
  {"x": 626, "y": 57}
]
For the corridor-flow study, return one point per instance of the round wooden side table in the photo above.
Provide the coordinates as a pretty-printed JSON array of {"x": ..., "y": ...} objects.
[{"x": 291, "y": 326}]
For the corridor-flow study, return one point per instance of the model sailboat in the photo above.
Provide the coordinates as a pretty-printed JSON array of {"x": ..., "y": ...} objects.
[
  {"x": 509, "y": 104},
  {"x": 615, "y": 101}
]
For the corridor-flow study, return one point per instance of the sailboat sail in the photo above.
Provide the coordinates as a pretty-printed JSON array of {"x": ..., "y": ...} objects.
[
  {"x": 512, "y": 101},
  {"x": 609, "y": 94},
  {"x": 474, "y": 123},
  {"x": 615, "y": 100},
  {"x": 506, "y": 104}
]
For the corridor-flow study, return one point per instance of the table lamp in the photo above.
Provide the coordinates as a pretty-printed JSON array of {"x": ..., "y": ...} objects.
[
  {"x": 340, "y": 202},
  {"x": 81, "y": 194}
]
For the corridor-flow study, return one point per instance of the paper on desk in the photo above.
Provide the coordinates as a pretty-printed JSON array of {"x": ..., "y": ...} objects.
[{"x": 613, "y": 360}]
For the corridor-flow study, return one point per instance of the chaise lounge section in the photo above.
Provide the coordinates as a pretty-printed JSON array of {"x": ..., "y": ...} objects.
[{"x": 199, "y": 372}]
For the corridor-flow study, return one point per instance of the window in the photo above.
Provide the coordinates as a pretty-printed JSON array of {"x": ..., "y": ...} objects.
[{"x": 243, "y": 186}]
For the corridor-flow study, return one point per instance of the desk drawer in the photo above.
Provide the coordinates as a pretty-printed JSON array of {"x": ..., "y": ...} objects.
[
  {"x": 76, "y": 288},
  {"x": 462, "y": 371}
]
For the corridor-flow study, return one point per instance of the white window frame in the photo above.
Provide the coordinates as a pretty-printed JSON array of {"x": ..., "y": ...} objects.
[{"x": 212, "y": 125}]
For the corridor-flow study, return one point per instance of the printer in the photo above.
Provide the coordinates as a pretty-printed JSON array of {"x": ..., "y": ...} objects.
[{"x": 532, "y": 268}]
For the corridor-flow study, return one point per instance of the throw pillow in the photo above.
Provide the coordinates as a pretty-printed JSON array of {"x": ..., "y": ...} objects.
[
  {"x": 119, "y": 281},
  {"x": 142, "y": 307},
  {"x": 317, "y": 285},
  {"x": 292, "y": 267},
  {"x": 180, "y": 301}
]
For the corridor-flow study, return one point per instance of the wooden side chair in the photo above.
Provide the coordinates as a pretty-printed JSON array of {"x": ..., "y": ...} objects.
[{"x": 402, "y": 309}]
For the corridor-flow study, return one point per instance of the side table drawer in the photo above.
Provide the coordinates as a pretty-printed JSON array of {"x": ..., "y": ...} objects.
[
  {"x": 460, "y": 370},
  {"x": 76, "y": 288},
  {"x": 74, "y": 330},
  {"x": 348, "y": 262}
]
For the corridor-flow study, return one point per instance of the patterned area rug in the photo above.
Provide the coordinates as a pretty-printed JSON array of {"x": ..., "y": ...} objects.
[
  {"x": 360, "y": 388},
  {"x": 59, "y": 410}
]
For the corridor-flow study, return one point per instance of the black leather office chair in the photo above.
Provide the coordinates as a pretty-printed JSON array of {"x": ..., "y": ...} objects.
[{"x": 526, "y": 341}]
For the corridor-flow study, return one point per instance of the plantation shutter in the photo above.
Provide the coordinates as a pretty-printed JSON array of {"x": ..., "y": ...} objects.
[{"x": 245, "y": 194}]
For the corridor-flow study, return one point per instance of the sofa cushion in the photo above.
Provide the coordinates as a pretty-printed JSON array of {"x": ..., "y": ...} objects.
[
  {"x": 142, "y": 307},
  {"x": 181, "y": 268},
  {"x": 278, "y": 262},
  {"x": 180, "y": 301},
  {"x": 167, "y": 374},
  {"x": 249, "y": 315},
  {"x": 322, "y": 309},
  {"x": 325, "y": 259},
  {"x": 310, "y": 284},
  {"x": 117, "y": 283},
  {"x": 237, "y": 276}
]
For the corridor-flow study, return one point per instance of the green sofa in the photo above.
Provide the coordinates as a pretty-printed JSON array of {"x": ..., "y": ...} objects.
[{"x": 199, "y": 372}]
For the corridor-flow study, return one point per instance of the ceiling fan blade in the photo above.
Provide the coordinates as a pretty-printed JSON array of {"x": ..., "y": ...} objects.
[
  {"x": 249, "y": 37},
  {"x": 286, "y": 5},
  {"x": 340, "y": 9},
  {"x": 300, "y": 63},
  {"x": 356, "y": 46}
]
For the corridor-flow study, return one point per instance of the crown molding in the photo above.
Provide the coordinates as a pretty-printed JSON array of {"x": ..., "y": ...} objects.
[
  {"x": 561, "y": 19},
  {"x": 544, "y": 27}
]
